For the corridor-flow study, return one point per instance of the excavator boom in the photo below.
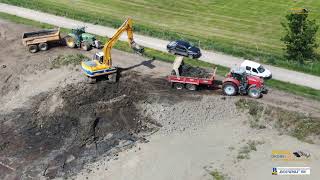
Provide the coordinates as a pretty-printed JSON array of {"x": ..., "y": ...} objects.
[{"x": 126, "y": 26}]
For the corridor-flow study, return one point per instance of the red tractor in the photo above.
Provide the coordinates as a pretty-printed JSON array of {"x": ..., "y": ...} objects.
[{"x": 238, "y": 82}]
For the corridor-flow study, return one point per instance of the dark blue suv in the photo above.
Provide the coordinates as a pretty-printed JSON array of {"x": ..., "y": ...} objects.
[{"x": 183, "y": 48}]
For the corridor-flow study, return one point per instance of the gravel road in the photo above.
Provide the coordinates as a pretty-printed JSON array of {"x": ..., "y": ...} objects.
[{"x": 158, "y": 44}]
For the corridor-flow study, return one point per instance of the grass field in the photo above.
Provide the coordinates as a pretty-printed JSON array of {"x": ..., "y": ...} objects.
[
  {"x": 246, "y": 28},
  {"x": 151, "y": 53}
]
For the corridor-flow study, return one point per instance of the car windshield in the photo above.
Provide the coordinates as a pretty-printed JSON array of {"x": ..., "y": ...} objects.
[
  {"x": 185, "y": 44},
  {"x": 261, "y": 69},
  {"x": 172, "y": 43}
]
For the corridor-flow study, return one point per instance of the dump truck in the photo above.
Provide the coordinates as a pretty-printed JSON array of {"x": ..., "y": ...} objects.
[
  {"x": 236, "y": 82},
  {"x": 41, "y": 40}
]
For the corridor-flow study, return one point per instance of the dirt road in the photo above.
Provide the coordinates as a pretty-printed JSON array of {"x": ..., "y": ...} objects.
[
  {"x": 54, "y": 125},
  {"x": 158, "y": 44}
]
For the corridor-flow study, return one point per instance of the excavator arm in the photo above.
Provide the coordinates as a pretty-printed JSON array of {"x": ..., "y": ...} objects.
[{"x": 126, "y": 26}]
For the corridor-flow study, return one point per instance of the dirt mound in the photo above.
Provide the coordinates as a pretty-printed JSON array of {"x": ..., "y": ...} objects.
[
  {"x": 190, "y": 71},
  {"x": 66, "y": 128}
]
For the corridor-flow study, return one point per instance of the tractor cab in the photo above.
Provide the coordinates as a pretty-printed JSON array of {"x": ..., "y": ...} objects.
[
  {"x": 238, "y": 73},
  {"x": 79, "y": 31}
]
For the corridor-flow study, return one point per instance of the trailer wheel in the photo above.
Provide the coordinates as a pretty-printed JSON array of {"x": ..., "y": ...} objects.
[
  {"x": 191, "y": 87},
  {"x": 43, "y": 46},
  {"x": 178, "y": 86},
  {"x": 254, "y": 92},
  {"x": 33, "y": 48},
  {"x": 70, "y": 42},
  {"x": 229, "y": 89}
]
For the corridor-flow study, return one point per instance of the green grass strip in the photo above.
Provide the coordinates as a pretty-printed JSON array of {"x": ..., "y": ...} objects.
[{"x": 273, "y": 56}]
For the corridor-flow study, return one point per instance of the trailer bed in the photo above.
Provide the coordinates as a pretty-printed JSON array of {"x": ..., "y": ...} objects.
[
  {"x": 43, "y": 36},
  {"x": 191, "y": 83},
  {"x": 191, "y": 80}
]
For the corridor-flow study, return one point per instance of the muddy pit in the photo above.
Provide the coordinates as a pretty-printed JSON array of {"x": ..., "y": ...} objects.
[{"x": 65, "y": 128}]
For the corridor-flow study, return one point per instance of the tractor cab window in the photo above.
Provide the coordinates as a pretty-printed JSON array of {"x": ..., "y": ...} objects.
[
  {"x": 248, "y": 68},
  {"x": 254, "y": 70},
  {"x": 237, "y": 76},
  {"x": 261, "y": 69}
]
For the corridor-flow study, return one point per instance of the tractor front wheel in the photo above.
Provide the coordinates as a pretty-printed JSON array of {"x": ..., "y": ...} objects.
[
  {"x": 85, "y": 46},
  {"x": 254, "y": 92},
  {"x": 70, "y": 42},
  {"x": 230, "y": 89}
]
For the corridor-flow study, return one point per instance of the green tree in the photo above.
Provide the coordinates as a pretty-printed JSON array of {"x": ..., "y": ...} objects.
[{"x": 300, "y": 38}]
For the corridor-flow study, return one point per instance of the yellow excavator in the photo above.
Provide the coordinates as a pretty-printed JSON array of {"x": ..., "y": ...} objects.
[{"x": 101, "y": 64}]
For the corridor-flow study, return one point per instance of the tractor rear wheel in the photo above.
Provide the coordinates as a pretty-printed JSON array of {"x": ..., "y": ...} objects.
[
  {"x": 70, "y": 42},
  {"x": 33, "y": 48},
  {"x": 43, "y": 46},
  {"x": 254, "y": 92},
  {"x": 86, "y": 46},
  {"x": 191, "y": 87},
  {"x": 178, "y": 86},
  {"x": 229, "y": 89}
]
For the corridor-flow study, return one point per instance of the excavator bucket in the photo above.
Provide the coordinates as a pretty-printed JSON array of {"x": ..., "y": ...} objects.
[{"x": 137, "y": 48}]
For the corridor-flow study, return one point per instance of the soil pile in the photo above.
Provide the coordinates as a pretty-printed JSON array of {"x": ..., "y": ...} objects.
[
  {"x": 190, "y": 71},
  {"x": 196, "y": 112},
  {"x": 64, "y": 129}
]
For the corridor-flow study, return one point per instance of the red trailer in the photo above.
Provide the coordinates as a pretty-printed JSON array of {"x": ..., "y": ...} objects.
[{"x": 191, "y": 83}]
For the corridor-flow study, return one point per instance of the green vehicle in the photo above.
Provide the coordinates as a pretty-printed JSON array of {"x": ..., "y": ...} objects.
[{"x": 78, "y": 38}]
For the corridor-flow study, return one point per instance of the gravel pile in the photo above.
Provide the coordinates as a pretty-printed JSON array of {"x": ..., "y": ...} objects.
[{"x": 190, "y": 115}]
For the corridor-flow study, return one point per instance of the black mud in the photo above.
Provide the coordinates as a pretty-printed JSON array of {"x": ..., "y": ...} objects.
[
  {"x": 64, "y": 129},
  {"x": 190, "y": 71}
]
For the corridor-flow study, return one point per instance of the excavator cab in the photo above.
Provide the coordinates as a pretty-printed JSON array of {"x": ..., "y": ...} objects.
[{"x": 98, "y": 57}]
